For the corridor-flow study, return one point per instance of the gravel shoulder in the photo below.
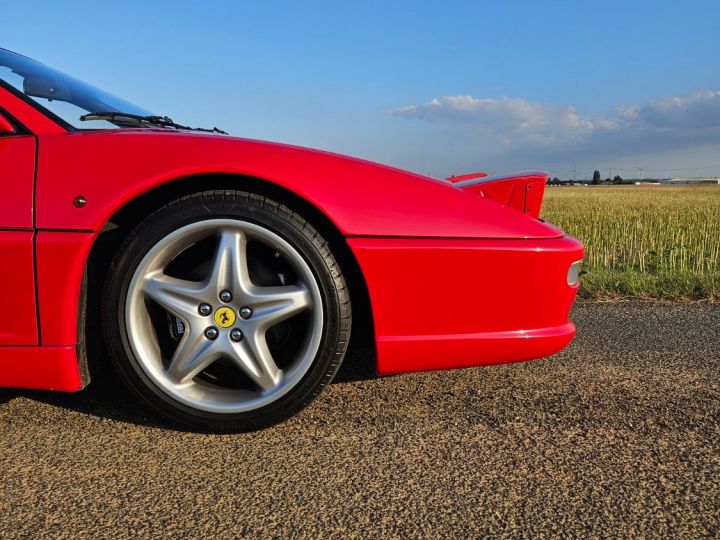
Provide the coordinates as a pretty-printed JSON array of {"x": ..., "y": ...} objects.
[{"x": 619, "y": 435}]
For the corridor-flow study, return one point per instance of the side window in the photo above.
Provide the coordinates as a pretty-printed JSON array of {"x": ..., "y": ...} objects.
[
  {"x": 13, "y": 79},
  {"x": 7, "y": 126}
]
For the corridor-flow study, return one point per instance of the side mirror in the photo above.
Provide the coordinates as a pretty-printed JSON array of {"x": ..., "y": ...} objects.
[{"x": 6, "y": 127}]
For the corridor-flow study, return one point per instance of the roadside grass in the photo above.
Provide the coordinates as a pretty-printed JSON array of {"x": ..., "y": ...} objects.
[{"x": 643, "y": 241}]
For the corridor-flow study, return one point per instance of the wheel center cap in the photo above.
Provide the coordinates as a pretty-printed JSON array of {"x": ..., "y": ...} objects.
[{"x": 224, "y": 317}]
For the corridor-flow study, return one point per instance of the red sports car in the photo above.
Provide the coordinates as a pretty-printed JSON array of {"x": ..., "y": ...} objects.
[{"x": 225, "y": 275}]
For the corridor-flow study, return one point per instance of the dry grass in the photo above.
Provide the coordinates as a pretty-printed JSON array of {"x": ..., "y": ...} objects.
[{"x": 656, "y": 242}]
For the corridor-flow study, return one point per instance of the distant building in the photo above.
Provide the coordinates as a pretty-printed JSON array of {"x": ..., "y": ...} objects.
[{"x": 714, "y": 180}]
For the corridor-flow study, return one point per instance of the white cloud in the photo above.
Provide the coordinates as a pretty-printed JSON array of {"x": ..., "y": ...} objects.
[
  {"x": 523, "y": 126},
  {"x": 698, "y": 110},
  {"x": 512, "y": 120}
]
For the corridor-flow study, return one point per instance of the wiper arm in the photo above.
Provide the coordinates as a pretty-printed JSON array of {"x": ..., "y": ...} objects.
[{"x": 140, "y": 120}]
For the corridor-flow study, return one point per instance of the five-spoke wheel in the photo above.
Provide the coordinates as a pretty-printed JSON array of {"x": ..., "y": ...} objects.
[{"x": 229, "y": 315}]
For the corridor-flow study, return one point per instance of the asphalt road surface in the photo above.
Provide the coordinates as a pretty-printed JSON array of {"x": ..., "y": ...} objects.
[{"x": 618, "y": 435}]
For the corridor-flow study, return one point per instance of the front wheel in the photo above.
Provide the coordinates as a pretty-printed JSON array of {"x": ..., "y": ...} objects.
[{"x": 226, "y": 311}]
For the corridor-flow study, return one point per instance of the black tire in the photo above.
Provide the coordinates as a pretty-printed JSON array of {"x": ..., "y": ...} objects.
[{"x": 273, "y": 216}]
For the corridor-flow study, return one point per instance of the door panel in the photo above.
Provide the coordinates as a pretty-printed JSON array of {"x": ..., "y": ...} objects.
[
  {"x": 18, "y": 316},
  {"x": 17, "y": 176}
]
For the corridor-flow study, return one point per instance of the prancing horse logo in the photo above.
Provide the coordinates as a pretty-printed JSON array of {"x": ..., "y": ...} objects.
[{"x": 224, "y": 317}]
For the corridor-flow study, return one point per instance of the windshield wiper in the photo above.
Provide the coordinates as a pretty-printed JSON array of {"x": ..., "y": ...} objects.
[{"x": 139, "y": 120}]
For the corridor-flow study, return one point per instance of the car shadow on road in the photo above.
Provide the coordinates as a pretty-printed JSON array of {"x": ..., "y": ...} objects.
[
  {"x": 106, "y": 397},
  {"x": 359, "y": 365}
]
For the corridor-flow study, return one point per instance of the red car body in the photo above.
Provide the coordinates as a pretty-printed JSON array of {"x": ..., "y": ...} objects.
[{"x": 459, "y": 273}]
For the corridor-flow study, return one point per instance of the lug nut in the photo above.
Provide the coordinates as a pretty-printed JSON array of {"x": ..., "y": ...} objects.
[
  {"x": 226, "y": 296},
  {"x": 246, "y": 312},
  {"x": 211, "y": 332},
  {"x": 236, "y": 334},
  {"x": 204, "y": 309}
]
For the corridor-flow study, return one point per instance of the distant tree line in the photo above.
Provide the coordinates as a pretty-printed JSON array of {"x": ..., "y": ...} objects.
[{"x": 596, "y": 180}]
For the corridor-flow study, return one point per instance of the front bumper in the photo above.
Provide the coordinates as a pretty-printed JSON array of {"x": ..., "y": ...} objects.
[{"x": 450, "y": 303}]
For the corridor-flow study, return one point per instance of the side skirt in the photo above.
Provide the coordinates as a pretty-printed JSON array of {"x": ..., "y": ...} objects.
[{"x": 40, "y": 368}]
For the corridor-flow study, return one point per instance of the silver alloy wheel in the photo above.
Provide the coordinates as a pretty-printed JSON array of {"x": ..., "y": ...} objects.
[{"x": 197, "y": 349}]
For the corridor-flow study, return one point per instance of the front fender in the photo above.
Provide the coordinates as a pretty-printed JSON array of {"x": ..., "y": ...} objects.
[{"x": 111, "y": 168}]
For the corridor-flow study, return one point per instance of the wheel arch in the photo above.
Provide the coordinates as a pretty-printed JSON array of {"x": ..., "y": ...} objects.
[{"x": 121, "y": 223}]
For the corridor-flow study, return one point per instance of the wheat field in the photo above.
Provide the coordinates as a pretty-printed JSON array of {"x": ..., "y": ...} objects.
[{"x": 644, "y": 241}]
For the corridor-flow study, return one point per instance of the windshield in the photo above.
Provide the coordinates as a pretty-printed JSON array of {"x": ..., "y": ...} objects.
[{"x": 64, "y": 96}]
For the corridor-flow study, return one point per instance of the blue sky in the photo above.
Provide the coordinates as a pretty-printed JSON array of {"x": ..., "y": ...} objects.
[{"x": 436, "y": 87}]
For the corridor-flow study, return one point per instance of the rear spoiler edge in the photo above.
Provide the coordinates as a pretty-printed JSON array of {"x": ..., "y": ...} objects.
[{"x": 522, "y": 191}]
